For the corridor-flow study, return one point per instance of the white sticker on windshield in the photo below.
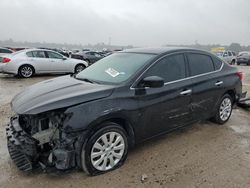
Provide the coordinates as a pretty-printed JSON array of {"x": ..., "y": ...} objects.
[{"x": 112, "y": 72}]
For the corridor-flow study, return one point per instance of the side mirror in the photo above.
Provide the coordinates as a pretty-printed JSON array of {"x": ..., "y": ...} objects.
[{"x": 153, "y": 82}]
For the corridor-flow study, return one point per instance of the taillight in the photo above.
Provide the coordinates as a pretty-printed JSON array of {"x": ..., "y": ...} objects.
[
  {"x": 240, "y": 75},
  {"x": 6, "y": 60}
]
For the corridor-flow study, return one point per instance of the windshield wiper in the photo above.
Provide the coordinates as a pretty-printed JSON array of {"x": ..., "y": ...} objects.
[{"x": 86, "y": 80}]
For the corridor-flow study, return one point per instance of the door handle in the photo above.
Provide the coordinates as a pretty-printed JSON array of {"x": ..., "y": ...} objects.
[
  {"x": 219, "y": 83},
  {"x": 186, "y": 92}
]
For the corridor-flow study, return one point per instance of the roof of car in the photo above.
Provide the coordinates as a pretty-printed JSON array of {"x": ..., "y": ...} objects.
[{"x": 158, "y": 50}]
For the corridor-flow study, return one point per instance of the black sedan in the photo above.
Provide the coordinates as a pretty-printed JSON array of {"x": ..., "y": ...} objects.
[
  {"x": 90, "y": 56},
  {"x": 91, "y": 119}
]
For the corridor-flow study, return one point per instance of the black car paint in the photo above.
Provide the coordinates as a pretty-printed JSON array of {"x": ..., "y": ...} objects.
[{"x": 144, "y": 112}]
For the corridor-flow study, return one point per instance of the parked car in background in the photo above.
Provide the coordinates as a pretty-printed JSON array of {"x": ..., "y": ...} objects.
[
  {"x": 228, "y": 56},
  {"x": 88, "y": 56},
  {"x": 26, "y": 63},
  {"x": 3, "y": 51},
  {"x": 243, "y": 58},
  {"x": 91, "y": 119}
]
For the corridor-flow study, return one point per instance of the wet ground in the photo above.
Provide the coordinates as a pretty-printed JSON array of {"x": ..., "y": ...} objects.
[{"x": 203, "y": 155}]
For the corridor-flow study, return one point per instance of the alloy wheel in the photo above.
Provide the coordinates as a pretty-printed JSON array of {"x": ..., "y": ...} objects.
[
  {"x": 225, "y": 109},
  {"x": 107, "y": 151}
]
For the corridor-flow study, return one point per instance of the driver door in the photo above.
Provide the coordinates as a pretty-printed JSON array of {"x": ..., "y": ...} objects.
[
  {"x": 58, "y": 63},
  {"x": 168, "y": 107}
]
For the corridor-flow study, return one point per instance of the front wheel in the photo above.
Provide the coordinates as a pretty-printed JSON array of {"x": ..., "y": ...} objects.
[
  {"x": 106, "y": 150},
  {"x": 224, "y": 110},
  {"x": 79, "y": 68}
]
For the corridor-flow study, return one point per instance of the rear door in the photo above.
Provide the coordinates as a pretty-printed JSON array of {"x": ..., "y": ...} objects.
[
  {"x": 38, "y": 59},
  {"x": 168, "y": 107},
  {"x": 206, "y": 84}
]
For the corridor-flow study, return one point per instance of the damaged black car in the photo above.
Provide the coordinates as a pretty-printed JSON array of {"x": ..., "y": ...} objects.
[{"x": 90, "y": 120}]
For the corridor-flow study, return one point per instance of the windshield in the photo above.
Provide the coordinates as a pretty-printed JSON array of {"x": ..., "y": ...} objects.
[{"x": 115, "y": 68}]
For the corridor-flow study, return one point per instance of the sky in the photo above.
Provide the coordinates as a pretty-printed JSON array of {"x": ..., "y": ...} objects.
[{"x": 126, "y": 22}]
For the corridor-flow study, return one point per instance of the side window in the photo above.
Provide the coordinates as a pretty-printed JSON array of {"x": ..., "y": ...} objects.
[
  {"x": 200, "y": 64},
  {"x": 53, "y": 55},
  {"x": 29, "y": 54},
  {"x": 225, "y": 54},
  {"x": 170, "y": 68},
  {"x": 229, "y": 54},
  {"x": 39, "y": 54}
]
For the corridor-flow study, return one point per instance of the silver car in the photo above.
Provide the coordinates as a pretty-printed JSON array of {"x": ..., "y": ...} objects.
[{"x": 26, "y": 63}]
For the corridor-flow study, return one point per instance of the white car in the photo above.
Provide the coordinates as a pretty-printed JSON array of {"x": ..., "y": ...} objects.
[
  {"x": 26, "y": 63},
  {"x": 228, "y": 56},
  {"x": 3, "y": 52}
]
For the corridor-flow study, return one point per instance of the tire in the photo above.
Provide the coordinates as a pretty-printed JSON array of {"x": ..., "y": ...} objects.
[
  {"x": 108, "y": 158},
  {"x": 79, "y": 68},
  {"x": 233, "y": 62},
  {"x": 224, "y": 110},
  {"x": 238, "y": 63},
  {"x": 26, "y": 71}
]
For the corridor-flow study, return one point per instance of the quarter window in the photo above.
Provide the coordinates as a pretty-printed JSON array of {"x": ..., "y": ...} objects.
[
  {"x": 170, "y": 68},
  {"x": 200, "y": 64},
  {"x": 217, "y": 63}
]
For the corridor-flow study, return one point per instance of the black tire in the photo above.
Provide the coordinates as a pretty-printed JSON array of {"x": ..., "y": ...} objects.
[
  {"x": 233, "y": 62},
  {"x": 79, "y": 68},
  {"x": 217, "y": 118},
  {"x": 26, "y": 71},
  {"x": 88, "y": 147},
  {"x": 238, "y": 63}
]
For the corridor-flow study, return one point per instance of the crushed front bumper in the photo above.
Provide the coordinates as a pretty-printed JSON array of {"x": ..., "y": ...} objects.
[{"x": 22, "y": 147}]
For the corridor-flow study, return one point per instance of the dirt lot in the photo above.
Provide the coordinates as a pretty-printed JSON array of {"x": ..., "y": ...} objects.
[{"x": 203, "y": 155}]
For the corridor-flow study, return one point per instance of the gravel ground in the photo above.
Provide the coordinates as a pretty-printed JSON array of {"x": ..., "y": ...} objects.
[{"x": 202, "y": 155}]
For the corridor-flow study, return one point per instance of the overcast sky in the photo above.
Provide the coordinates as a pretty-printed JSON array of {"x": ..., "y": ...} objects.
[{"x": 136, "y": 22}]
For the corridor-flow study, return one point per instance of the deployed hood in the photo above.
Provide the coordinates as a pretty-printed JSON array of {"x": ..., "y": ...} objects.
[{"x": 57, "y": 93}]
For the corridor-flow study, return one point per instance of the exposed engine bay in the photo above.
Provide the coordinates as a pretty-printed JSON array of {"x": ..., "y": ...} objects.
[{"x": 40, "y": 141}]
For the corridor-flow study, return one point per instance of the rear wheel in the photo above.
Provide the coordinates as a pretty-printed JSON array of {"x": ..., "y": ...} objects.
[
  {"x": 106, "y": 150},
  {"x": 233, "y": 62},
  {"x": 26, "y": 71},
  {"x": 224, "y": 110}
]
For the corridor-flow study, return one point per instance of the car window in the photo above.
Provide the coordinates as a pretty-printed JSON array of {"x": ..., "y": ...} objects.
[
  {"x": 97, "y": 55},
  {"x": 5, "y": 51},
  {"x": 229, "y": 54},
  {"x": 29, "y": 54},
  {"x": 225, "y": 54},
  {"x": 234, "y": 54},
  {"x": 53, "y": 55},
  {"x": 116, "y": 68},
  {"x": 170, "y": 68},
  {"x": 39, "y": 54},
  {"x": 217, "y": 63},
  {"x": 200, "y": 64}
]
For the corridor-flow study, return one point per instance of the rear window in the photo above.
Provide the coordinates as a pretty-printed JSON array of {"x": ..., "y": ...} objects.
[
  {"x": 200, "y": 64},
  {"x": 5, "y": 51}
]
